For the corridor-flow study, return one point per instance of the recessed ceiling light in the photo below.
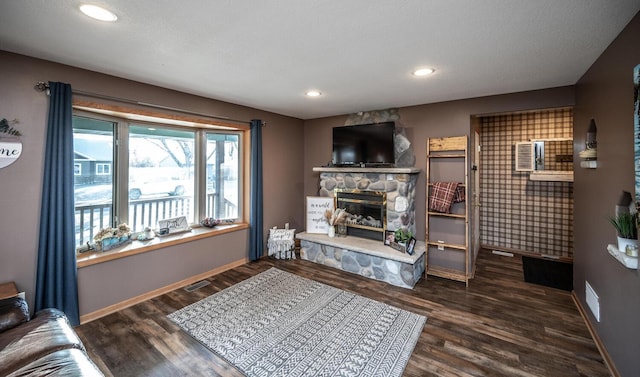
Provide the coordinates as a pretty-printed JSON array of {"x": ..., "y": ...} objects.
[
  {"x": 423, "y": 71},
  {"x": 98, "y": 13},
  {"x": 313, "y": 93}
]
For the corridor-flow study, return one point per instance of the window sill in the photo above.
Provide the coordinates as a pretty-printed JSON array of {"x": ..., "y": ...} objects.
[{"x": 139, "y": 247}]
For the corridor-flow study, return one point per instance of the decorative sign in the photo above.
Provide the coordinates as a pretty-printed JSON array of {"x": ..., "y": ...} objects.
[
  {"x": 173, "y": 225},
  {"x": 9, "y": 152},
  {"x": 281, "y": 234},
  {"x": 316, "y": 207}
]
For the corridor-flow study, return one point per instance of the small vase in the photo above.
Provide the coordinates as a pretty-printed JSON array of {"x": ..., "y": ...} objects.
[
  {"x": 332, "y": 231},
  {"x": 623, "y": 242}
]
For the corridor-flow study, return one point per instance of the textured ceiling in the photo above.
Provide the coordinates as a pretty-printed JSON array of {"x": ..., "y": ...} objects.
[{"x": 359, "y": 53}]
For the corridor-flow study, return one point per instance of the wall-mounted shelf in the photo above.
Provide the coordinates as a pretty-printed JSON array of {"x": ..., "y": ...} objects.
[
  {"x": 557, "y": 176},
  {"x": 622, "y": 257}
]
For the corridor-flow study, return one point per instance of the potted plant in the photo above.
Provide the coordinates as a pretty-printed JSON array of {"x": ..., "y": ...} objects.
[
  {"x": 401, "y": 237},
  {"x": 626, "y": 229}
]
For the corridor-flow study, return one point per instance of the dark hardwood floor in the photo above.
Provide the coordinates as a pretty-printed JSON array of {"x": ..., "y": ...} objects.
[{"x": 499, "y": 326}]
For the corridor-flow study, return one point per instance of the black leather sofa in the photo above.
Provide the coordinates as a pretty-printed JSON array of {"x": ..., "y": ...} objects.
[{"x": 45, "y": 345}]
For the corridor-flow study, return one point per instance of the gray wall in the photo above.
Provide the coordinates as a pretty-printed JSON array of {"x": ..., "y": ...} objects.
[
  {"x": 112, "y": 282},
  {"x": 605, "y": 93}
]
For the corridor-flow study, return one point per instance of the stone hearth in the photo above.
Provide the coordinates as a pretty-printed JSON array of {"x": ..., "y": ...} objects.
[{"x": 368, "y": 258}]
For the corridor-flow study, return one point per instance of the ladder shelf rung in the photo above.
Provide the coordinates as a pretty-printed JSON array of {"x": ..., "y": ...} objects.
[
  {"x": 454, "y": 215},
  {"x": 448, "y": 274},
  {"x": 448, "y": 155},
  {"x": 448, "y": 245}
]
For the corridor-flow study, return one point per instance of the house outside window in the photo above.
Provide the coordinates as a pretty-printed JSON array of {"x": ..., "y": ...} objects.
[{"x": 147, "y": 172}]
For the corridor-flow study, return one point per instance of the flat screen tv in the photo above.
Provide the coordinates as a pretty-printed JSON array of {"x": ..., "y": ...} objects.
[{"x": 364, "y": 144}]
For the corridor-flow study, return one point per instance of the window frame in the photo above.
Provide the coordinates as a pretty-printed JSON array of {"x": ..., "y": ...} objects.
[{"x": 120, "y": 167}]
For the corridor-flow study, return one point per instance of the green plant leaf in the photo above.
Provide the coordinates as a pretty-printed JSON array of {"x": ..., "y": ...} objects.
[{"x": 625, "y": 225}]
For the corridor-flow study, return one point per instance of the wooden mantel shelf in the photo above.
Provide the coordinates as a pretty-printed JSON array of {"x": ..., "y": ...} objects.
[{"x": 355, "y": 169}]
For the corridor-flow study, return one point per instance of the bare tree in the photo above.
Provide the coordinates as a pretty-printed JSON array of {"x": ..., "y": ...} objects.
[{"x": 183, "y": 159}]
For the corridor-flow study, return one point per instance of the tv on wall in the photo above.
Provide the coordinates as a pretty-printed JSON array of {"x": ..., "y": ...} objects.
[{"x": 364, "y": 144}]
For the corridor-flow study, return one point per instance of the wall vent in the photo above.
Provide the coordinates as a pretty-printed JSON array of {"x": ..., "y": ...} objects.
[
  {"x": 593, "y": 301},
  {"x": 525, "y": 156}
]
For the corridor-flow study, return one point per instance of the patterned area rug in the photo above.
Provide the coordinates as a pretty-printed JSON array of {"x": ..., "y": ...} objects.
[{"x": 280, "y": 324}]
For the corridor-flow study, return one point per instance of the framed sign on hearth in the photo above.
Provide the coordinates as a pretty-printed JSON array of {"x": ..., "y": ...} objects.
[{"x": 316, "y": 221}]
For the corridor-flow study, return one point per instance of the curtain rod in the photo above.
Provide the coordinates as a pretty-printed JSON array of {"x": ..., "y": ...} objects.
[{"x": 43, "y": 86}]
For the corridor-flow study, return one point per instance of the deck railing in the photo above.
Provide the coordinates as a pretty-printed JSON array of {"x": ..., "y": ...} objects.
[{"x": 143, "y": 212}]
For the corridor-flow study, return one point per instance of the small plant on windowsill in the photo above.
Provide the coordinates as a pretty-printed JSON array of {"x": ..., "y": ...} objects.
[{"x": 626, "y": 229}]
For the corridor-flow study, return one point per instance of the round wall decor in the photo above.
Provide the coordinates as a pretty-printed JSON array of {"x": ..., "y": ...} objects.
[{"x": 10, "y": 144}]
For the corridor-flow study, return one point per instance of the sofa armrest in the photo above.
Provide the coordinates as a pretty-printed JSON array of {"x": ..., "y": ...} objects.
[
  {"x": 47, "y": 332},
  {"x": 13, "y": 311}
]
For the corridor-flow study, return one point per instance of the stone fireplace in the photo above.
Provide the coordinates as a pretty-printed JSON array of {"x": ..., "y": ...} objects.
[
  {"x": 380, "y": 199},
  {"x": 396, "y": 187}
]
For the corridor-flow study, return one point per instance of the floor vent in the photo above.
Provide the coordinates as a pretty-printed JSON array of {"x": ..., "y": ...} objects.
[
  {"x": 593, "y": 301},
  {"x": 198, "y": 285},
  {"x": 503, "y": 253}
]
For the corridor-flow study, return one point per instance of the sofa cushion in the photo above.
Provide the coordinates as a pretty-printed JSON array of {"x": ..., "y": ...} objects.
[
  {"x": 47, "y": 332},
  {"x": 13, "y": 311},
  {"x": 70, "y": 362}
]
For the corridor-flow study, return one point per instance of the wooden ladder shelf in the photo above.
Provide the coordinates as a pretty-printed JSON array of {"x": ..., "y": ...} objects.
[{"x": 454, "y": 150}]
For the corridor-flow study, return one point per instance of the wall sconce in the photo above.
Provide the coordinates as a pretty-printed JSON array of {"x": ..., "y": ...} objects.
[
  {"x": 589, "y": 156},
  {"x": 591, "y": 135}
]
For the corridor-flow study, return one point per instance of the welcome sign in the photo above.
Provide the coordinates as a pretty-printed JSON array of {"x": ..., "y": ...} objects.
[{"x": 9, "y": 152}]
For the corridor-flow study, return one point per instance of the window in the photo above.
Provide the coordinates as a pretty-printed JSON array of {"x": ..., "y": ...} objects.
[
  {"x": 103, "y": 169},
  {"x": 140, "y": 173},
  {"x": 93, "y": 140},
  {"x": 222, "y": 166}
]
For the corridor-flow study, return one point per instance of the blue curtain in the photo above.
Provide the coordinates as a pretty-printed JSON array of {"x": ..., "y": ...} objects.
[
  {"x": 56, "y": 279},
  {"x": 256, "y": 246}
]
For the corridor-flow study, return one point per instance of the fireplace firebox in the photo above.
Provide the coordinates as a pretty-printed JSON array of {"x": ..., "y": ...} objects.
[{"x": 367, "y": 212}]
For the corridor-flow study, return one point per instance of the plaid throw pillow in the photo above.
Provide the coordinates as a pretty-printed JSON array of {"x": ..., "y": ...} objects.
[
  {"x": 460, "y": 194},
  {"x": 441, "y": 196}
]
